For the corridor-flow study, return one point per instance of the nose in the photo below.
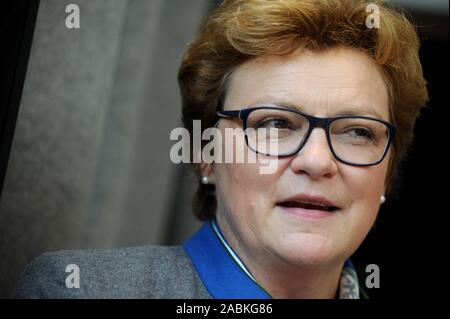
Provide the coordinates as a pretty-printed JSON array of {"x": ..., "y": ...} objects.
[{"x": 315, "y": 158}]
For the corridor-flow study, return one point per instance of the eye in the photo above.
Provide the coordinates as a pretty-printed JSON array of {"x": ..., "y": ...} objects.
[
  {"x": 359, "y": 132},
  {"x": 277, "y": 123}
]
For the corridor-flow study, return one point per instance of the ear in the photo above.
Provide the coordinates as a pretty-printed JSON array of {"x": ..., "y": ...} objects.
[{"x": 207, "y": 170}]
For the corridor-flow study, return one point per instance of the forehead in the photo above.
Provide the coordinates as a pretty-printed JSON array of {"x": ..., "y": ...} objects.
[{"x": 324, "y": 83}]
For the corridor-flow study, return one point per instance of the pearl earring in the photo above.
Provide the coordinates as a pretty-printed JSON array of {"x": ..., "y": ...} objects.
[
  {"x": 382, "y": 199},
  {"x": 205, "y": 180}
]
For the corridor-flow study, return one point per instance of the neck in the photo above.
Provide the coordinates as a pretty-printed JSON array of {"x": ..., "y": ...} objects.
[{"x": 297, "y": 282}]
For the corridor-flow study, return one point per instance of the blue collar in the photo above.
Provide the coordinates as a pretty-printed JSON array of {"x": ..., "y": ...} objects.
[
  {"x": 218, "y": 270},
  {"x": 226, "y": 277}
]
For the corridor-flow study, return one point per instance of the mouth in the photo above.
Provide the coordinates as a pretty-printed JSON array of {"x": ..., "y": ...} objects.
[{"x": 308, "y": 205}]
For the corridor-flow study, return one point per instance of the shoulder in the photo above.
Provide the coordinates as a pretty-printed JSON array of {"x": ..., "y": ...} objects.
[{"x": 136, "y": 272}]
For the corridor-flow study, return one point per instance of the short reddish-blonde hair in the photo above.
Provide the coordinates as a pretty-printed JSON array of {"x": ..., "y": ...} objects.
[{"x": 239, "y": 30}]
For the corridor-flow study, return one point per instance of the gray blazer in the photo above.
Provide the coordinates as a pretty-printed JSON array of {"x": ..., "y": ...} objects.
[{"x": 138, "y": 272}]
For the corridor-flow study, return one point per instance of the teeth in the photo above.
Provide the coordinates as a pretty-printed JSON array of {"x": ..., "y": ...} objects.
[
  {"x": 319, "y": 204},
  {"x": 307, "y": 203},
  {"x": 311, "y": 203}
]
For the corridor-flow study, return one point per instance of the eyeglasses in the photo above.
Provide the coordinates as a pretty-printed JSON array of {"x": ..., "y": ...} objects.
[{"x": 353, "y": 140}]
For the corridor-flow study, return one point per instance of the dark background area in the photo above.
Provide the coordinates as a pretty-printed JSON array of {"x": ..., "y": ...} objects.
[
  {"x": 17, "y": 20},
  {"x": 409, "y": 241}
]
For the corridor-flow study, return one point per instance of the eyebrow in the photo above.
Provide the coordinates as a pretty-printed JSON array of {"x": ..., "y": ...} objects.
[
  {"x": 282, "y": 104},
  {"x": 359, "y": 112},
  {"x": 356, "y": 111}
]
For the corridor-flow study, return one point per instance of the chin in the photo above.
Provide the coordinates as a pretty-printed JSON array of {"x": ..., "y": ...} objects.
[{"x": 308, "y": 249}]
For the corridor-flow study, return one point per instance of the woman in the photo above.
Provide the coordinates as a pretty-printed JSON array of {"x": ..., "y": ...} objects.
[
  {"x": 293, "y": 231},
  {"x": 341, "y": 86}
]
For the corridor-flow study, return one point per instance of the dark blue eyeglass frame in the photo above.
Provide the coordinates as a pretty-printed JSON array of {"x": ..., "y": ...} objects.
[{"x": 321, "y": 122}]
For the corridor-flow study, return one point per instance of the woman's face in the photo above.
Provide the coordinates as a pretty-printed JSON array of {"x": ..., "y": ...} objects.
[{"x": 325, "y": 84}]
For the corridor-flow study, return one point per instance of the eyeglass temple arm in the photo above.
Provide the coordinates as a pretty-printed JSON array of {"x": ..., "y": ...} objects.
[{"x": 228, "y": 114}]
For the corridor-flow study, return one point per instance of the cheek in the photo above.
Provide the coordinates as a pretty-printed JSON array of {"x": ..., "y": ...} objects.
[
  {"x": 243, "y": 188},
  {"x": 364, "y": 187}
]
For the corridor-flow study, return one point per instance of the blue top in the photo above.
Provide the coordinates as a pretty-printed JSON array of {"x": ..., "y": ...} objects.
[{"x": 222, "y": 276}]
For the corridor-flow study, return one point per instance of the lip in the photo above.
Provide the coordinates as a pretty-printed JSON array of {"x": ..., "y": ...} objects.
[
  {"x": 310, "y": 198},
  {"x": 308, "y": 213}
]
